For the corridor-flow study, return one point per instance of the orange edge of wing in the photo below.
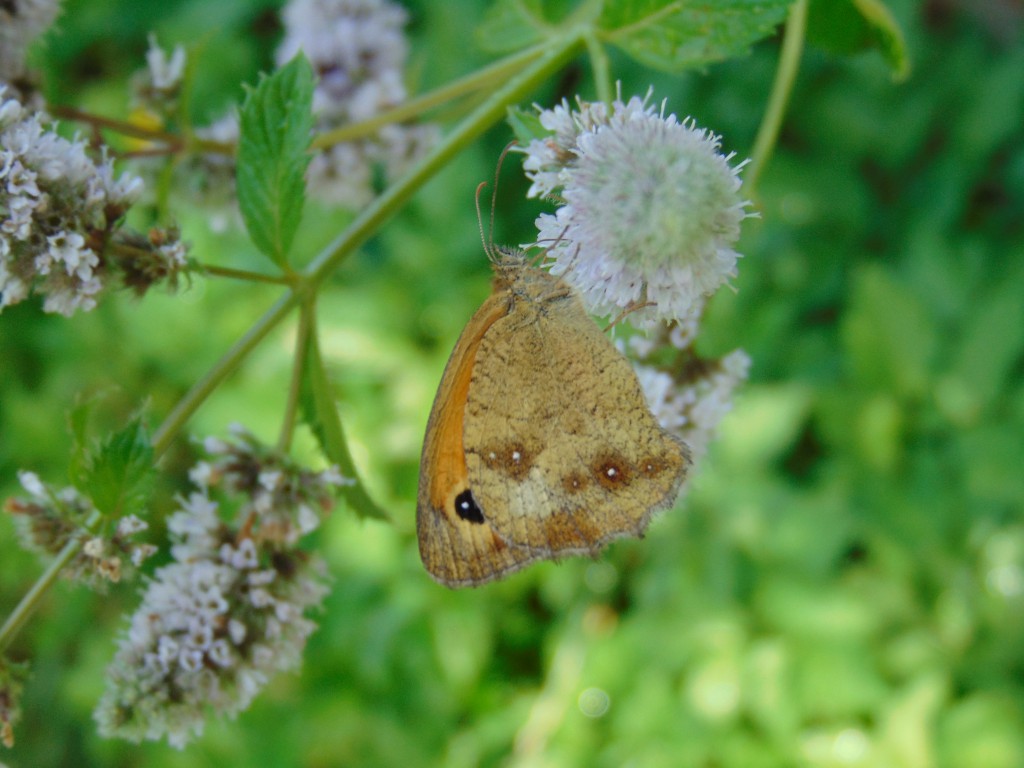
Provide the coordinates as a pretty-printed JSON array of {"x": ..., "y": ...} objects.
[{"x": 444, "y": 447}]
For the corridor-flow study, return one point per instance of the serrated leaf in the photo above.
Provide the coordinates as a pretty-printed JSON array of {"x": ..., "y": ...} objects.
[
  {"x": 672, "y": 36},
  {"x": 525, "y": 124},
  {"x": 850, "y": 26},
  {"x": 320, "y": 413},
  {"x": 116, "y": 472},
  {"x": 276, "y": 123}
]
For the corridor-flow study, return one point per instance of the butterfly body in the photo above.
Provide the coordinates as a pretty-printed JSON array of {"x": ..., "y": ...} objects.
[{"x": 540, "y": 443}]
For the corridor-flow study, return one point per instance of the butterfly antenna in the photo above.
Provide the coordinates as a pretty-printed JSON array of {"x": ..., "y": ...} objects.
[{"x": 488, "y": 242}]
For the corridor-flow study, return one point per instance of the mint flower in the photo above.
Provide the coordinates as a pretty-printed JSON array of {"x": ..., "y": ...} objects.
[
  {"x": 650, "y": 212},
  {"x": 690, "y": 395},
  {"x": 57, "y": 207},
  {"x": 48, "y": 519},
  {"x": 358, "y": 50},
  {"x": 230, "y": 610}
]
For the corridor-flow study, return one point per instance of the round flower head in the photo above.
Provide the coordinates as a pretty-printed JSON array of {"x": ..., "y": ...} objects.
[{"x": 651, "y": 207}]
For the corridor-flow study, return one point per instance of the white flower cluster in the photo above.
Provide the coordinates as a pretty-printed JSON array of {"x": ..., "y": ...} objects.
[
  {"x": 56, "y": 208},
  {"x": 21, "y": 22},
  {"x": 51, "y": 518},
  {"x": 691, "y": 401},
  {"x": 228, "y": 613},
  {"x": 358, "y": 50},
  {"x": 650, "y": 207}
]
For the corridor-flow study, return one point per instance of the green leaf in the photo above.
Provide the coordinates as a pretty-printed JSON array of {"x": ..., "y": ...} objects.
[
  {"x": 525, "y": 124},
  {"x": 850, "y": 26},
  {"x": 319, "y": 411},
  {"x": 276, "y": 123},
  {"x": 117, "y": 471},
  {"x": 673, "y": 36}
]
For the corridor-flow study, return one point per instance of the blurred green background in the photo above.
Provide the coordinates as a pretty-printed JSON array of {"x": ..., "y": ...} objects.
[{"x": 843, "y": 584}]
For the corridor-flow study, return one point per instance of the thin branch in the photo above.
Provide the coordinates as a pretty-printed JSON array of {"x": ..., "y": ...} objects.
[{"x": 782, "y": 87}]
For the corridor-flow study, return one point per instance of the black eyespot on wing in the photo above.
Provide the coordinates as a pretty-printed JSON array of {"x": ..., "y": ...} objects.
[{"x": 466, "y": 507}]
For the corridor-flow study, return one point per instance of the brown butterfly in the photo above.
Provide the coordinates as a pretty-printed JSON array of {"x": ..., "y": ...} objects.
[{"x": 540, "y": 443}]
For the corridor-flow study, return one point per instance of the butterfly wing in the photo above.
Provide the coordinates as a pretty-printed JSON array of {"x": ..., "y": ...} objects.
[
  {"x": 457, "y": 545},
  {"x": 562, "y": 452}
]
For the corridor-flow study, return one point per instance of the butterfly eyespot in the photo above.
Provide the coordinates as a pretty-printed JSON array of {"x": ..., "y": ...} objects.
[
  {"x": 512, "y": 458},
  {"x": 652, "y": 466},
  {"x": 612, "y": 472},
  {"x": 467, "y": 509},
  {"x": 575, "y": 482}
]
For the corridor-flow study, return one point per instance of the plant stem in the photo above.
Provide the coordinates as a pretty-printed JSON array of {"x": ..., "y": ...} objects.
[
  {"x": 306, "y": 326},
  {"x": 120, "y": 126},
  {"x": 30, "y": 601},
  {"x": 559, "y": 50},
  {"x": 243, "y": 274},
  {"x": 417, "y": 106},
  {"x": 229, "y": 362},
  {"x": 782, "y": 87},
  {"x": 602, "y": 73}
]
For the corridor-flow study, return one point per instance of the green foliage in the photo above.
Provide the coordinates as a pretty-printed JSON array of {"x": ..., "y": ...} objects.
[
  {"x": 849, "y": 26},
  {"x": 672, "y": 36},
  {"x": 117, "y": 471},
  {"x": 664, "y": 34},
  {"x": 320, "y": 412},
  {"x": 525, "y": 125},
  {"x": 276, "y": 123}
]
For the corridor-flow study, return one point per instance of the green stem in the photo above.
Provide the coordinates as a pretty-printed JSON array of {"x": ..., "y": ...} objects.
[
  {"x": 306, "y": 310},
  {"x": 601, "y": 69},
  {"x": 119, "y": 126},
  {"x": 559, "y": 51},
  {"x": 785, "y": 76},
  {"x": 243, "y": 274},
  {"x": 415, "y": 107},
  {"x": 202, "y": 389},
  {"x": 30, "y": 601}
]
